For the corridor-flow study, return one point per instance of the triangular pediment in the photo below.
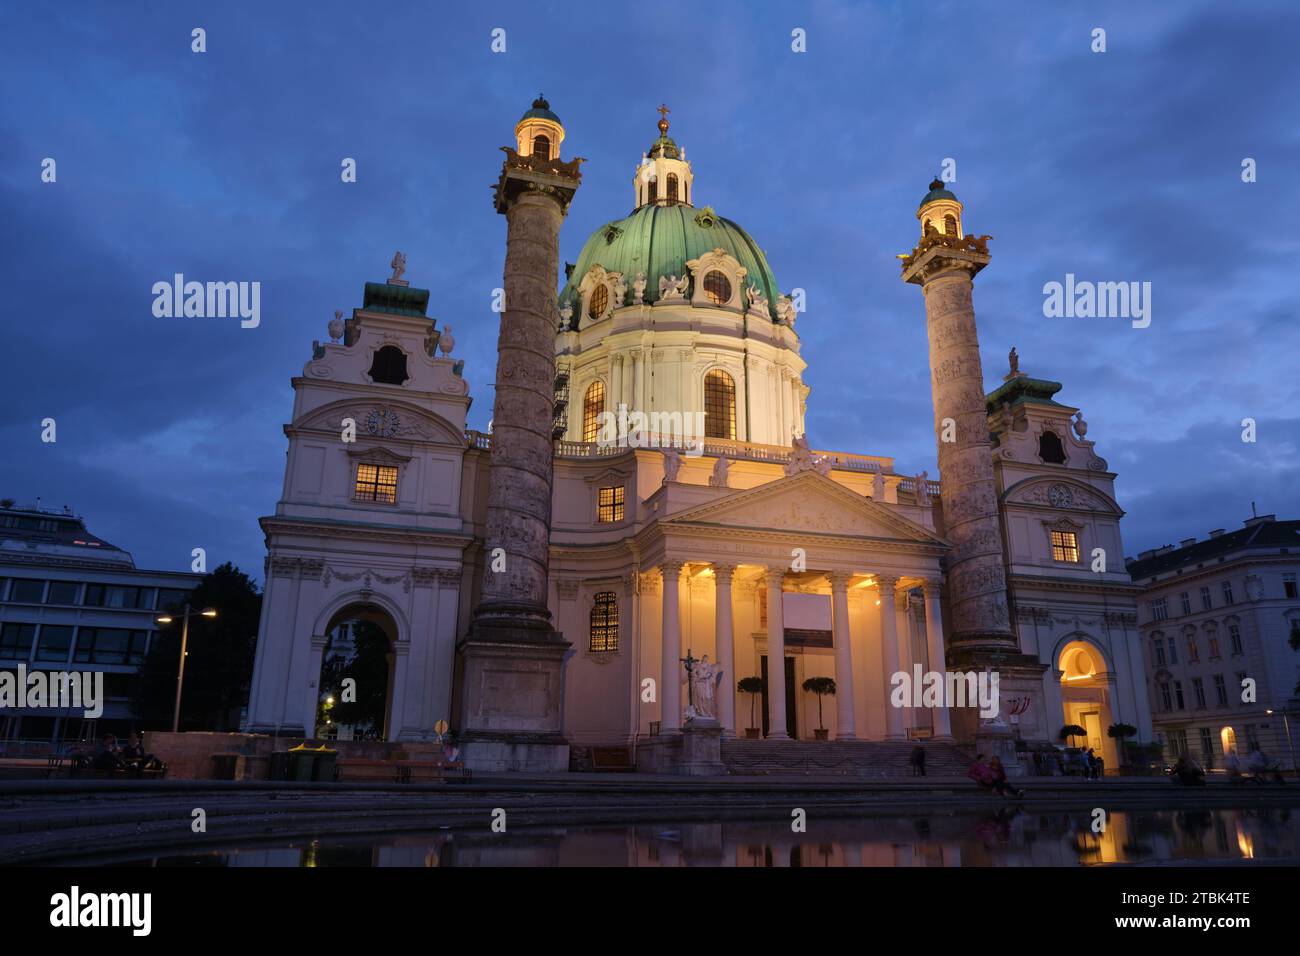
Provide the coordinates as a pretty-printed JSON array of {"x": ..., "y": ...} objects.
[{"x": 806, "y": 503}]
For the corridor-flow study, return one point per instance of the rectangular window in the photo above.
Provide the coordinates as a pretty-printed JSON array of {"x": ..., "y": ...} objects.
[
  {"x": 1065, "y": 546},
  {"x": 609, "y": 504},
  {"x": 27, "y": 591},
  {"x": 1159, "y": 609},
  {"x": 110, "y": 645},
  {"x": 604, "y": 622},
  {"x": 1227, "y": 592},
  {"x": 1288, "y": 585},
  {"x": 1234, "y": 636},
  {"x": 1198, "y": 688},
  {"x": 1207, "y": 603},
  {"x": 62, "y": 592},
  {"x": 1173, "y": 651},
  {"x": 376, "y": 483},
  {"x": 1159, "y": 647},
  {"x": 1178, "y": 693},
  {"x": 171, "y": 599},
  {"x": 1220, "y": 690},
  {"x": 1164, "y": 696},
  {"x": 113, "y": 595},
  {"x": 1207, "y": 744},
  {"x": 1187, "y": 602},
  {"x": 16, "y": 641},
  {"x": 1214, "y": 648},
  {"x": 1193, "y": 650},
  {"x": 1178, "y": 742},
  {"x": 55, "y": 642}
]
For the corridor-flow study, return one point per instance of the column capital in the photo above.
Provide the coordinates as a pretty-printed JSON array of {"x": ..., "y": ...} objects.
[
  {"x": 933, "y": 587},
  {"x": 839, "y": 580},
  {"x": 775, "y": 577},
  {"x": 671, "y": 569},
  {"x": 723, "y": 572},
  {"x": 887, "y": 582}
]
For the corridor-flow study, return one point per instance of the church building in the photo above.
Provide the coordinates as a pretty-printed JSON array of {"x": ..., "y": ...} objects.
[{"x": 647, "y": 509}]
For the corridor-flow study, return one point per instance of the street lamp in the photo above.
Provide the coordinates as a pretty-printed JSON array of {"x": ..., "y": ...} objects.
[
  {"x": 186, "y": 614},
  {"x": 1291, "y": 744}
]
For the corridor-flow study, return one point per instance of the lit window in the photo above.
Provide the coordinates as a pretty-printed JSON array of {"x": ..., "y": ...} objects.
[
  {"x": 542, "y": 146},
  {"x": 593, "y": 407},
  {"x": 604, "y": 622},
  {"x": 719, "y": 404},
  {"x": 609, "y": 505},
  {"x": 1065, "y": 546},
  {"x": 950, "y": 225},
  {"x": 717, "y": 288},
  {"x": 376, "y": 483},
  {"x": 599, "y": 302}
]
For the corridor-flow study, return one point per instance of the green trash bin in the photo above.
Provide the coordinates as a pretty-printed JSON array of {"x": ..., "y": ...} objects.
[
  {"x": 325, "y": 765},
  {"x": 301, "y": 764}
]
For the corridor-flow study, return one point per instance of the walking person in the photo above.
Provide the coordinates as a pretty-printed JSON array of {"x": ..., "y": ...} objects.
[{"x": 918, "y": 761}]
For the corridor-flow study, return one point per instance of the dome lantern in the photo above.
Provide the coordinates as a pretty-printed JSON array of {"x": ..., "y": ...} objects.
[
  {"x": 663, "y": 178},
  {"x": 940, "y": 211}
]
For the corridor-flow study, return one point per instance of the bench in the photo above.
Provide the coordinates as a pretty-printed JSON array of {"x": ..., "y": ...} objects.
[
  {"x": 53, "y": 765},
  {"x": 360, "y": 769}
]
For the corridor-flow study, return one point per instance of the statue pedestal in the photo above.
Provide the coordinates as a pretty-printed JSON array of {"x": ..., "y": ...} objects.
[
  {"x": 512, "y": 691},
  {"x": 695, "y": 752},
  {"x": 998, "y": 740}
]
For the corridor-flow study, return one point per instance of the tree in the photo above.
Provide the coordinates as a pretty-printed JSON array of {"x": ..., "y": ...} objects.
[
  {"x": 219, "y": 662},
  {"x": 1118, "y": 732},
  {"x": 1071, "y": 731},
  {"x": 358, "y": 652},
  {"x": 820, "y": 686},
  {"x": 752, "y": 686}
]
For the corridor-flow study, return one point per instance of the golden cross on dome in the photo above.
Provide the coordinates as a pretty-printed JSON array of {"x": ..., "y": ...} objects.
[{"x": 663, "y": 111}]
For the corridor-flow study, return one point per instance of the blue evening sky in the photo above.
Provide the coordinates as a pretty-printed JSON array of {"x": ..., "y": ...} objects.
[{"x": 1124, "y": 165}]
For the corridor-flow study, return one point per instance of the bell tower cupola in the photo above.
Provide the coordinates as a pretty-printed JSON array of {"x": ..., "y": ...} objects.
[
  {"x": 663, "y": 177},
  {"x": 539, "y": 131},
  {"x": 940, "y": 212}
]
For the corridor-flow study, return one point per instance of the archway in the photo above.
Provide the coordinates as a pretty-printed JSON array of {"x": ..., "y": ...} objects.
[
  {"x": 1228, "y": 738},
  {"x": 355, "y": 698},
  {"x": 1085, "y": 698}
]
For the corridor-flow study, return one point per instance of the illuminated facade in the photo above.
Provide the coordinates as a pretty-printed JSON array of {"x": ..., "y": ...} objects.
[{"x": 746, "y": 547}]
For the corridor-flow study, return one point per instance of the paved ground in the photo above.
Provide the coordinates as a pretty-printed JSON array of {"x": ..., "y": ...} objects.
[{"x": 45, "y": 821}]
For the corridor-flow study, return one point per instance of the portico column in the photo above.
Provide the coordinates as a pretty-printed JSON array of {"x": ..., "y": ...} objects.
[
  {"x": 722, "y": 575},
  {"x": 776, "y": 722},
  {"x": 845, "y": 725},
  {"x": 670, "y": 684},
  {"x": 934, "y": 644},
  {"x": 889, "y": 653},
  {"x": 638, "y": 383}
]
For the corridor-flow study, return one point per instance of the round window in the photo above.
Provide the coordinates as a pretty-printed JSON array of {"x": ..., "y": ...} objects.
[
  {"x": 717, "y": 288},
  {"x": 599, "y": 302}
]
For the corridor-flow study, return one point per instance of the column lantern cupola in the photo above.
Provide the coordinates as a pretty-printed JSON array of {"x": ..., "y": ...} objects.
[
  {"x": 664, "y": 177},
  {"x": 539, "y": 131},
  {"x": 940, "y": 211}
]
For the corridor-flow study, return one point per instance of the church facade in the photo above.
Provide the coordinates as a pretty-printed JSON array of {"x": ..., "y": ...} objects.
[{"x": 685, "y": 516}]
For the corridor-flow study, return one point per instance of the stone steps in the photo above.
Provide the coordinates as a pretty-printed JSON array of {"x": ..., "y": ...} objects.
[{"x": 861, "y": 758}]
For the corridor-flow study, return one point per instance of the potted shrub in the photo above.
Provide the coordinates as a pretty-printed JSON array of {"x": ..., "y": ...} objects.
[
  {"x": 820, "y": 686},
  {"x": 752, "y": 686},
  {"x": 1118, "y": 732},
  {"x": 1070, "y": 731}
]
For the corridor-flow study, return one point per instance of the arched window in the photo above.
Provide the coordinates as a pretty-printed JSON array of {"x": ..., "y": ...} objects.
[
  {"x": 542, "y": 146},
  {"x": 389, "y": 366},
  {"x": 604, "y": 622},
  {"x": 593, "y": 407},
  {"x": 654, "y": 189},
  {"x": 925, "y": 227},
  {"x": 672, "y": 187},
  {"x": 599, "y": 302},
  {"x": 719, "y": 405},
  {"x": 950, "y": 224},
  {"x": 1050, "y": 448},
  {"x": 717, "y": 288}
]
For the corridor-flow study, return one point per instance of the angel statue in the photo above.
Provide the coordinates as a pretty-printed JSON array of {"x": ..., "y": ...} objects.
[
  {"x": 399, "y": 265},
  {"x": 638, "y": 289},
  {"x": 785, "y": 311}
]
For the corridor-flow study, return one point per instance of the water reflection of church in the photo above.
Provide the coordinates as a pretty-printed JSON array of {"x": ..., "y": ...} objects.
[{"x": 832, "y": 564}]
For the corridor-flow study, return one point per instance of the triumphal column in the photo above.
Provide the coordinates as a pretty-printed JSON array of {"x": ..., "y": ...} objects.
[{"x": 511, "y": 662}]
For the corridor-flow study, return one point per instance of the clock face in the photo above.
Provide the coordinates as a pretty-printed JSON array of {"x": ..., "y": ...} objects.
[
  {"x": 1060, "y": 496},
  {"x": 382, "y": 422}
]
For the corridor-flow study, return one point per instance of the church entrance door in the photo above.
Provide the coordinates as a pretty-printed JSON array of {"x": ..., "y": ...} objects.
[{"x": 791, "y": 714}]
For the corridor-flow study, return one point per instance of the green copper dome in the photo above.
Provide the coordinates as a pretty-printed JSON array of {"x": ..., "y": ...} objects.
[
  {"x": 659, "y": 240},
  {"x": 937, "y": 191},
  {"x": 541, "y": 110}
]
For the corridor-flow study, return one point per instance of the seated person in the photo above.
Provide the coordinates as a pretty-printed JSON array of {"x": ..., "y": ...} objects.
[
  {"x": 133, "y": 755},
  {"x": 106, "y": 754},
  {"x": 1186, "y": 771},
  {"x": 1001, "y": 785}
]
